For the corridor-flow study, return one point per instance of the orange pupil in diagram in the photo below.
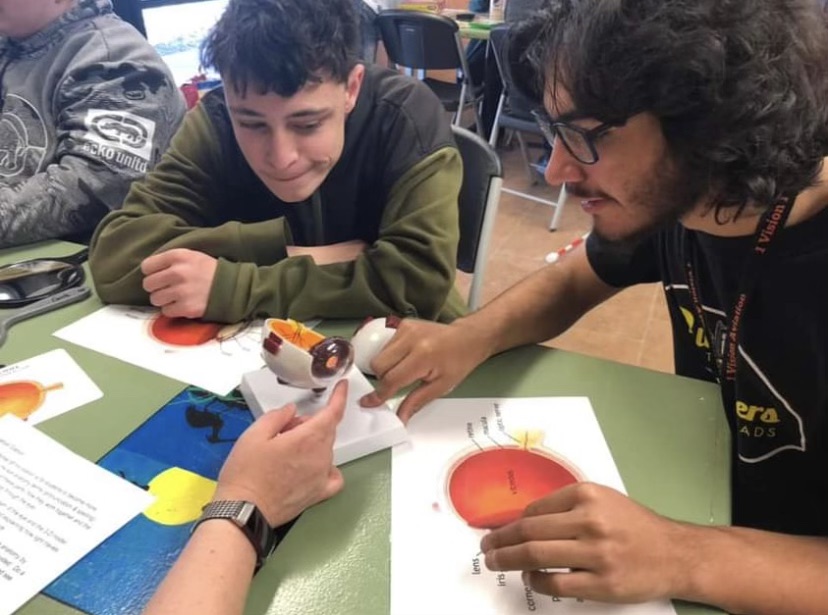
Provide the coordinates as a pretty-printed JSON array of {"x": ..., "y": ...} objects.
[
  {"x": 491, "y": 488},
  {"x": 295, "y": 333},
  {"x": 183, "y": 331}
]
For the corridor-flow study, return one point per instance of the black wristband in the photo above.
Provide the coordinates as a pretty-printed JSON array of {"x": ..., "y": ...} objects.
[{"x": 249, "y": 519}]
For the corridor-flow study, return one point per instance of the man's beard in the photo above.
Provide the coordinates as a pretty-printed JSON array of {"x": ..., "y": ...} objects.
[{"x": 674, "y": 191}]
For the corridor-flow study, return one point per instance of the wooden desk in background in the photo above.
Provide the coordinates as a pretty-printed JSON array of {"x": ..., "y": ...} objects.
[{"x": 664, "y": 433}]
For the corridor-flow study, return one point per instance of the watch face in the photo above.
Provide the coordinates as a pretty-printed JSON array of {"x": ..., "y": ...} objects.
[
  {"x": 245, "y": 511},
  {"x": 261, "y": 535}
]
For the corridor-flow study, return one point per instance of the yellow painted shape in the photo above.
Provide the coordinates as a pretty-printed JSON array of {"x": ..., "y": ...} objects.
[
  {"x": 180, "y": 496},
  {"x": 529, "y": 438}
]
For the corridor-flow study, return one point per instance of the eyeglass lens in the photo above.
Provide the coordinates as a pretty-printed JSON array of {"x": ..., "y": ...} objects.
[
  {"x": 576, "y": 143},
  {"x": 574, "y": 140}
]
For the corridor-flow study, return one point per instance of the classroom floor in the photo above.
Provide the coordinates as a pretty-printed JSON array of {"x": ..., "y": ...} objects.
[{"x": 633, "y": 327}]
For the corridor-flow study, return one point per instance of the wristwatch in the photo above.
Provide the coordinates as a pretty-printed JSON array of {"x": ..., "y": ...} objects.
[{"x": 249, "y": 520}]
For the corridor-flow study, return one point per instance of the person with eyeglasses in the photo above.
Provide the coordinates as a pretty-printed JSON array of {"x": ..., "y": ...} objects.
[{"x": 694, "y": 134}]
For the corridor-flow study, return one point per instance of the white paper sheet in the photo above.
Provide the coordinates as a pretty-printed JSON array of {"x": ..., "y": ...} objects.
[
  {"x": 45, "y": 386},
  {"x": 214, "y": 360},
  {"x": 442, "y": 481},
  {"x": 55, "y": 507},
  {"x": 361, "y": 431}
]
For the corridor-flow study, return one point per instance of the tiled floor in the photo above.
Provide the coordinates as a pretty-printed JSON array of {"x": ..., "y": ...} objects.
[{"x": 632, "y": 327}]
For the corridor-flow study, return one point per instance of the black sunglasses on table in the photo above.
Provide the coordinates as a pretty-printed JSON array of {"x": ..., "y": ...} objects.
[{"x": 28, "y": 281}]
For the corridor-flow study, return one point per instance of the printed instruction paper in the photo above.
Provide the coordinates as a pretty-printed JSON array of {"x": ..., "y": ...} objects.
[{"x": 55, "y": 507}]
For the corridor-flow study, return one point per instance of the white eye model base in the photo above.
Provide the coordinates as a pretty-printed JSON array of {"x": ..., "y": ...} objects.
[{"x": 361, "y": 432}]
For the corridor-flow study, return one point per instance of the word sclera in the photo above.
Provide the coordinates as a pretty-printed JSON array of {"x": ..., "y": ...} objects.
[{"x": 303, "y": 358}]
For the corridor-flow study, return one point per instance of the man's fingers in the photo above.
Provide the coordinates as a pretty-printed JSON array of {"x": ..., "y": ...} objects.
[
  {"x": 395, "y": 351},
  {"x": 158, "y": 262},
  {"x": 550, "y": 527},
  {"x": 334, "y": 410},
  {"x": 419, "y": 397},
  {"x": 295, "y": 422},
  {"x": 576, "y": 584},
  {"x": 399, "y": 376},
  {"x": 182, "y": 309},
  {"x": 156, "y": 281},
  {"x": 539, "y": 554},
  {"x": 175, "y": 310},
  {"x": 272, "y": 423},
  {"x": 171, "y": 310},
  {"x": 371, "y": 400},
  {"x": 173, "y": 275},
  {"x": 385, "y": 390},
  {"x": 163, "y": 297},
  {"x": 559, "y": 501}
]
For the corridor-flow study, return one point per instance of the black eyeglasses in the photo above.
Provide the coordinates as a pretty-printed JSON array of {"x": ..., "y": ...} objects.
[
  {"x": 25, "y": 282},
  {"x": 578, "y": 141}
]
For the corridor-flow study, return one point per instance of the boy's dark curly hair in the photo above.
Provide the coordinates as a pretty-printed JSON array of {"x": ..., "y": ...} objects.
[
  {"x": 281, "y": 45},
  {"x": 740, "y": 86}
]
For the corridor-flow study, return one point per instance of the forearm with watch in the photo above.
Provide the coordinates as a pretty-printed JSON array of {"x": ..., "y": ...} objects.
[
  {"x": 249, "y": 519},
  {"x": 229, "y": 543}
]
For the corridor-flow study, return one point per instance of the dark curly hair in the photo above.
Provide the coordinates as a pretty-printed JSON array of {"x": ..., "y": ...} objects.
[
  {"x": 281, "y": 45},
  {"x": 740, "y": 86}
]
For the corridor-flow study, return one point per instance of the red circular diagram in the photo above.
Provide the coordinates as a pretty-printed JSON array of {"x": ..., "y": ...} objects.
[
  {"x": 183, "y": 331},
  {"x": 491, "y": 487}
]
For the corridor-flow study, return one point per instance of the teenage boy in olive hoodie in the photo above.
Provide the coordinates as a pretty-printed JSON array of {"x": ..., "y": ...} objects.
[{"x": 310, "y": 186}]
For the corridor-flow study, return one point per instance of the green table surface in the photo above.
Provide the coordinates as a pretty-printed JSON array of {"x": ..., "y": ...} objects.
[{"x": 666, "y": 433}]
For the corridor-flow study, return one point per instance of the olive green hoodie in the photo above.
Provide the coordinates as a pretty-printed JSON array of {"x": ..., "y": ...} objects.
[{"x": 395, "y": 187}]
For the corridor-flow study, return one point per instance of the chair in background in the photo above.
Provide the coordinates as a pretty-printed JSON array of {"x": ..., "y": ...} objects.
[
  {"x": 514, "y": 113},
  {"x": 422, "y": 41},
  {"x": 479, "y": 198}
]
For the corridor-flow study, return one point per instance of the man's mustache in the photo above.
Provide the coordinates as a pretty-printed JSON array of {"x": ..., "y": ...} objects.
[{"x": 584, "y": 194}]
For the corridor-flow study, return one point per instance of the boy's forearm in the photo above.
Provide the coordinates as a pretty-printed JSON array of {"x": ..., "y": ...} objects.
[
  {"x": 752, "y": 572},
  {"x": 540, "y": 307}
]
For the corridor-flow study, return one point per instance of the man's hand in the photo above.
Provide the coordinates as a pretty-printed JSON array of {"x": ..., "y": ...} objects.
[
  {"x": 439, "y": 356},
  {"x": 284, "y": 463},
  {"x": 179, "y": 281},
  {"x": 618, "y": 550}
]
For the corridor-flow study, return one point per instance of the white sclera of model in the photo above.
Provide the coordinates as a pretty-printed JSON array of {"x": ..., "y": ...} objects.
[{"x": 370, "y": 339}]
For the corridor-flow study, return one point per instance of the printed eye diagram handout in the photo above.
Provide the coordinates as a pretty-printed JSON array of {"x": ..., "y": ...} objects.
[
  {"x": 475, "y": 464},
  {"x": 42, "y": 387},
  {"x": 209, "y": 355}
]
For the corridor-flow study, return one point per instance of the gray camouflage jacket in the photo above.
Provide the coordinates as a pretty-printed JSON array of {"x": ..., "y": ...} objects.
[{"x": 86, "y": 107}]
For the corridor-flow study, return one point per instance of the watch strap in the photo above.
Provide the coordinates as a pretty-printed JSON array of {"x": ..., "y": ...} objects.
[{"x": 249, "y": 519}]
